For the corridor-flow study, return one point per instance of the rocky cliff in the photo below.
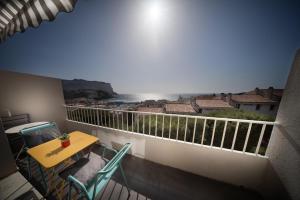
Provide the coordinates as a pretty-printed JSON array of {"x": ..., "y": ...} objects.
[{"x": 77, "y": 88}]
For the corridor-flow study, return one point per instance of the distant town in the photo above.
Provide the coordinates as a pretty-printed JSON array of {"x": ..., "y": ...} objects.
[{"x": 96, "y": 94}]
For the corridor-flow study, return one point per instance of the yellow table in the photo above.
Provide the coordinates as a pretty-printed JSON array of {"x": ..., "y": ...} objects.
[{"x": 51, "y": 153}]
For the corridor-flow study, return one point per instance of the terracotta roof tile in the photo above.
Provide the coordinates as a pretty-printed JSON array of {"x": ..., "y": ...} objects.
[
  {"x": 213, "y": 104},
  {"x": 251, "y": 98},
  {"x": 179, "y": 108}
]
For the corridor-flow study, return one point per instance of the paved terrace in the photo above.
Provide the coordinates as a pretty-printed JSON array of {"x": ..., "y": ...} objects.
[{"x": 149, "y": 180}]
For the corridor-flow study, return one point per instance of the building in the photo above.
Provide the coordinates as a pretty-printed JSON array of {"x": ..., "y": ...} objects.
[
  {"x": 209, "y": 105},
  {"x": 254, "y": 102},
  {"x": 179, "y": 108}
]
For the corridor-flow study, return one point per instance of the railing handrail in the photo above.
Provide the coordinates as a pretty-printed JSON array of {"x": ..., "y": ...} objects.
[
  {"x": 178, "y": 115},
  {"x": 254, "y": 139}
]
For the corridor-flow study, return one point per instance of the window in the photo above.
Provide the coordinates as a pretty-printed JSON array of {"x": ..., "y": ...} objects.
[
  {"x": 237, "y": 106},
  {"x": 272, "y": 107},
  {"x": 257, "y": 107}
]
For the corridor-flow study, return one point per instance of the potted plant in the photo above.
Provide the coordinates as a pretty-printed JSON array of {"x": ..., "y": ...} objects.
[{"x": 65, "y": 140}]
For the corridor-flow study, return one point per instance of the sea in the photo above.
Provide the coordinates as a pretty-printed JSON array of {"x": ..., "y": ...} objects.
[{"x": 130, "y": 98}]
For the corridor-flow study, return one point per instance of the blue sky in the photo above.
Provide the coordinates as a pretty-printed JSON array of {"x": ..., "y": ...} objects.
[{"x": 190, "y": 46}]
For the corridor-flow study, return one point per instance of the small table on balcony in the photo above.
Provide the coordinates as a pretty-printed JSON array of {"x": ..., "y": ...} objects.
[{"x": 51, "y": 154}]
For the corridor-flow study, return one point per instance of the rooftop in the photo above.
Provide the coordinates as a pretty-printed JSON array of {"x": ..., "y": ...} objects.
[
  {"x": 179, "y": 108},
  {"x": 213, "y": 104},
  {"x": 251, "y": 98}
]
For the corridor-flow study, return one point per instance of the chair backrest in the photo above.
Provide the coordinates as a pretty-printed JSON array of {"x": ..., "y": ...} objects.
[
  {"x": 14, "y": 120},
  {"x": 116, "y": 159},
  {"x": 36, "y": 135},
  {"x": 103, "y": 176}
]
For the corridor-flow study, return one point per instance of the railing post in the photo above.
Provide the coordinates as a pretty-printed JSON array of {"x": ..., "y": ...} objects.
[
  {"x": 247, "y": 137},
  {"x": 163, "y": 126},
  {"x": 108, "y": 115},
  {"x": 177, "y": 128},
  {"x": 122, "y": 120},
  {"x": 186, "y": 123},
  {"x": 132, "y": 124},
  {"x": 149, "y": 124},
  {"x": 156, "y": 125},
  {"x": 98, "y": 123},
  {"x": 118, "y": 123},
  {"x": 213, "y": 134},
  {"x": 235, "y": 134},
  {"x": 101, "y": 117},
  {"x": 143, "y": 123},
  {"x": 203, "y": 132},
  {"x": 127, "y": 121},
  {"x": 81, "y": 114},
  {"x": 260, "y": 138},
  {"x": 113, "y": 118},
  {"x": 170, "y": 126},
  {"x": 224, "y": 133},
  {"x": 195, "y": 123}
]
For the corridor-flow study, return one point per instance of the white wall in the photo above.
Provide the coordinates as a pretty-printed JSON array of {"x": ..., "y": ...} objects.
[
  {"x": 264, "y": 109},
  {"x": 284, "y": 149},
  {"x": 41, "y": 97}
]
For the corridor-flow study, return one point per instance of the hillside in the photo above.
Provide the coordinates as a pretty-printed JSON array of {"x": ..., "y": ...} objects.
[{"x": 77, "y": 88}]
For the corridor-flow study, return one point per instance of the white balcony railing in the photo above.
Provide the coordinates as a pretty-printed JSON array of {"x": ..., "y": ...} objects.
[{"x": 238, "y": 135}]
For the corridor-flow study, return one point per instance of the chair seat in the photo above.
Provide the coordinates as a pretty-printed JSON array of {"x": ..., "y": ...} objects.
[{"x": 85, "y": 169}]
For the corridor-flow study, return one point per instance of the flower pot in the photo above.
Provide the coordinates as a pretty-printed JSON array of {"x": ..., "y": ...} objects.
[{"x": 65, "y": 143}]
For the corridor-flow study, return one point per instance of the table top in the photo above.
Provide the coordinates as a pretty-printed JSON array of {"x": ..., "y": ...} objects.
[
  {"x": 17, "y": 129},
  {"x": 51, "y": 153}
]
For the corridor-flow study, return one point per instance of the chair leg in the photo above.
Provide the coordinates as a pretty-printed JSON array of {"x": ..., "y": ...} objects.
[
  {"x": 43, "y": 178},
  {"x": 124, "y": 178},
  {"x": 29, "y": 167},
  {"x": 70, "y": 191}
]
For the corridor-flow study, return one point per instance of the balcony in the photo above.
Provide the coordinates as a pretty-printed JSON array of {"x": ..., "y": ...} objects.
[{"x": 173, "y": 156}]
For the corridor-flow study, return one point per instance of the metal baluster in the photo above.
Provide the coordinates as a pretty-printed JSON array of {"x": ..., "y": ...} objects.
[
  {"x": 127, "y": 121},
  {"x": 122, "y": 120},
  {"x": 170, "y": 126},
  {"x": 143, "y": 123},
  {"x": 105, "y": 121},
  {"x": 118, "y": 123},
  {"x": 108, "y": 115},
  {"x": 213, "y": 134},
  {"x": 186, "y": 123},
  {"x": 224, "y": 133},
  {"x": 163, "y": 126},
  {"x": 203, "y": 132},
  {"x": 247, "y": 137},
  {"x": 149, "y": 124},
  {"x": 98, "y": 123},
  {"x": 195, "y": 123},
  {"x": 132, "y": 124},
  {"x": 260, "y": 138},
  {"x": 156, "y": 125},
  {"x": 101, "y": 117},
  {"x": 177, "y": 127},
  {"x": 81, "y": 114},
  {"x": 235, "y": 134},
  {"x": 138, "y": 121},
  {"x": 113, "y": 119}
]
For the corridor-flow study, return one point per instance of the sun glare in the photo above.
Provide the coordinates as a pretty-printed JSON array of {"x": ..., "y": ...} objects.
[{"x": 154, "y": 12}]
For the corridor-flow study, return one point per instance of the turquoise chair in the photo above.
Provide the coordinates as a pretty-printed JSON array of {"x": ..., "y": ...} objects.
[
  {"x": 89, "y": 175},
  {"x": 37, "y": 135}
]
